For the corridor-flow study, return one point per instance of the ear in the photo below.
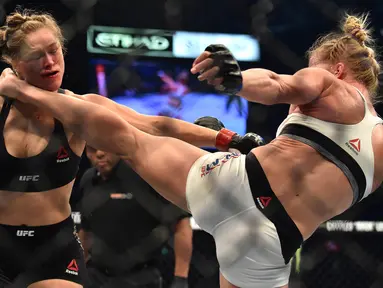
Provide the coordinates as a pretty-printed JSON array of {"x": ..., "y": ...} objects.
[{"x": 339, "y": 70}]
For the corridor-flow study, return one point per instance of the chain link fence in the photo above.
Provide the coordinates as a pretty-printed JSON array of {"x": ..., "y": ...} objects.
[{"x": 334, "y": 256}]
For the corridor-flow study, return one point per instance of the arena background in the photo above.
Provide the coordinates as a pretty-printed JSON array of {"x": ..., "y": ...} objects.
[{"x": 345, "y": 252}]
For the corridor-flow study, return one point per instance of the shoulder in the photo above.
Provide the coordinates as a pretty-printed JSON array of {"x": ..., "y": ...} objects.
[
  {"x": 68, "y": 92},
  {"x": 315, "y": 71},
  {"x": 71, "y": 93},
  {"x": 321, "y": 82},
  {"x": 316, "y": 75},
  {"x": 95, "y": 98}
]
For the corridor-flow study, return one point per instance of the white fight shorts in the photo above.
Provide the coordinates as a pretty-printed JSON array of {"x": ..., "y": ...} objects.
[{"x": 221, "y": 202}]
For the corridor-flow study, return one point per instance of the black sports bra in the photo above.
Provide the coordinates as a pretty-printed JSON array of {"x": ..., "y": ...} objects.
[{"x": 55, "y": 166}]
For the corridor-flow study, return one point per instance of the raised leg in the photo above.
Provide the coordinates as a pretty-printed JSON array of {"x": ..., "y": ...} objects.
[{"x": 162, "y": 162}]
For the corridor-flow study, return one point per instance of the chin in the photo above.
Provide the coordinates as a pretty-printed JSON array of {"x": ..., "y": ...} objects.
[
  {"x": 54, "y": 87},
  {"x": 51, "y": 85}
]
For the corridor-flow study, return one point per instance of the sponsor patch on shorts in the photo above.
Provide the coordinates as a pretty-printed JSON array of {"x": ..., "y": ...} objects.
[{"x": 206, "y": 169}]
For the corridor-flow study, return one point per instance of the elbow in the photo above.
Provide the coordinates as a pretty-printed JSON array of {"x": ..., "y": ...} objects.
[{"x": 277, "y": 86}]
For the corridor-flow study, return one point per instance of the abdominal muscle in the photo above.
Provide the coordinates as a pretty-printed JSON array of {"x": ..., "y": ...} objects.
[
  {"x": 311, "y": 189},
  {"x": 36, "y": 208},
  {"x": 25, "y": 136}
]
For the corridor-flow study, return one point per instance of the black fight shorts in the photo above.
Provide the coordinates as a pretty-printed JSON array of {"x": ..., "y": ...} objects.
[{"x": 29, "y": 254}]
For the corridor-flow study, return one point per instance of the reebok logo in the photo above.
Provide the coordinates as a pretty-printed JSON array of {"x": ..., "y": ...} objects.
[
  {"x": 29, "y": 178},
  {"x": 354, "y": 145},
  {"x": 25, "y": 233},
  {"x": 263, "y": 201},
  {"x": 62, "y": 155},
  {"x": 72, "y": 268}
]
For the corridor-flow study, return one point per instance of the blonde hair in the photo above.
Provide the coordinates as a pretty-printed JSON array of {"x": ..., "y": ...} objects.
[
  {"x": 353, "y": 46},
  {"x": 18, "y": 25}
]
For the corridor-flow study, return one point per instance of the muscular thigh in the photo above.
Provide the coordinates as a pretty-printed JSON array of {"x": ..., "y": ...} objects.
[
  {"x": 55, "y": 283},
  {"x": 164, "y": 163}
]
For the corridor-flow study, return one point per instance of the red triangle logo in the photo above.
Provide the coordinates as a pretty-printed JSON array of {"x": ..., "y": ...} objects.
[
  {"x": 73, "y": 266},
  {"x": 355, "y": 143},
  {"x": 62, "y": 153},
  {"x": 265, "y": 201}
]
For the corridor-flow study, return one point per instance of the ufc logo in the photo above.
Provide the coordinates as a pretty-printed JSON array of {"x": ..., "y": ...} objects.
[
  {"x": 33, "y": 178},
  {"x": 25, "y": 233}
]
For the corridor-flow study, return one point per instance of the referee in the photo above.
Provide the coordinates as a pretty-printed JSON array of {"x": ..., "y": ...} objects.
[{"x": 125, "y": 225}]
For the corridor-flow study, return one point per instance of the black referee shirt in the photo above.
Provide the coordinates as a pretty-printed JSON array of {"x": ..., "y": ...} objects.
[{"x": 123, "y": 210}]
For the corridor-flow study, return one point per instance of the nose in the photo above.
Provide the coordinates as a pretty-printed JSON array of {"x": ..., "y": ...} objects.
[
  {"x": 48, "y": 60},
  {"x": 100, "y": 154}
]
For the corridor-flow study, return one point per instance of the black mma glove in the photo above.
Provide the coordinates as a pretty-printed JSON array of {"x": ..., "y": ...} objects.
[
  {"x": 179, "y": 282},
  {"x": 227, "y": 139},
  {"x": 229, "y": 69},
  {"x": 209, "y": 122}
]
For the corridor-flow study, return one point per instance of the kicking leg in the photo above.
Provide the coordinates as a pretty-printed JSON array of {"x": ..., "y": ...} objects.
[
  {"x": 161, "y": 161},
  {"x": 164, "y": 163}
]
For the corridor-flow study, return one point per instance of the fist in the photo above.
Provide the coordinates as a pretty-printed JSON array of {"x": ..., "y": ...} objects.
[
  {"x": 246, "y": 143},
  {"x": 218, "y": 66},
  {"x": 10, "y": 85},
  {"x": 210, "y": 122},
  {"x": 227, "y": 140}
]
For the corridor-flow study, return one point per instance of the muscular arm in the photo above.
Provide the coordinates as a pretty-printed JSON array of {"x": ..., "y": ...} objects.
[
  {"x": 159, "y": 125},
  {"x": 266, "y": 87}
]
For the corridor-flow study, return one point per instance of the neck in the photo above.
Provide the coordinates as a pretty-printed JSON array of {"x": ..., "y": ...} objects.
[{"x": 360, "y": 87}]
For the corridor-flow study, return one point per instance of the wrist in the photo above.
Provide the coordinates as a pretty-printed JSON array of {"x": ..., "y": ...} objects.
[{"x": 223, "y": 139}]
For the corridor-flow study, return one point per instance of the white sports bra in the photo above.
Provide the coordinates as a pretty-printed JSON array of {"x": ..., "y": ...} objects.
[{"x": 347, "y": 146}]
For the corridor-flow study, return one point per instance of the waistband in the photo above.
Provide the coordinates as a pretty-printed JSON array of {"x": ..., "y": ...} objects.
[
  {"x": 36, "y": 235},
  {"x": 268, "y": 203}
]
